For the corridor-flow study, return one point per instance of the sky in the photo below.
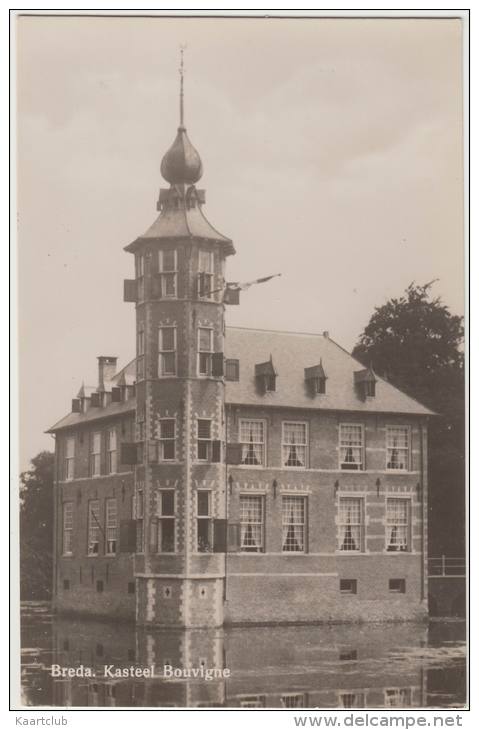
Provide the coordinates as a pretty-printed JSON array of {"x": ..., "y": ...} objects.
[{"x": 332, "y": 153}]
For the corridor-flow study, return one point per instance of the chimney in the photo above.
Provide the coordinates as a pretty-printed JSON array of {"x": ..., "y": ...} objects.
[
  {"x": 106, "y": 370},
  {"x": 326, "y": 334}
]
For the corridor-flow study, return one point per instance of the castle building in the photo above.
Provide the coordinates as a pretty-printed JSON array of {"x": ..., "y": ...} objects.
[{"x": 231, "y": 475}]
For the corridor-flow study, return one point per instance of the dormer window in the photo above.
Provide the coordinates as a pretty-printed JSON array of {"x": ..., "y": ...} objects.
[
  {"x": 265, "y": 375},
  {"x": 365, "y": 382},
  {"x": 315, "y": 379}
]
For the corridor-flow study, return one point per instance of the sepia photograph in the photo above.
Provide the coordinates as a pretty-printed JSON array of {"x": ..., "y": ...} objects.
[{"x": 241, "y": 253}]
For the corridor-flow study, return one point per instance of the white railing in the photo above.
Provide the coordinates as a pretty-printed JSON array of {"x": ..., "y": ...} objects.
[{"x": 446, "y": 567}]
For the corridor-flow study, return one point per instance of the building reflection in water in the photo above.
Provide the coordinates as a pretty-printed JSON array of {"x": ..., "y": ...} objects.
[{"x": 327, "y": 666}]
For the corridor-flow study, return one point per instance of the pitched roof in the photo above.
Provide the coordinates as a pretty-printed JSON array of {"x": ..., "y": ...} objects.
[
  {"x": 291, "y": 353},
  {"x": 94, "y": 414}
]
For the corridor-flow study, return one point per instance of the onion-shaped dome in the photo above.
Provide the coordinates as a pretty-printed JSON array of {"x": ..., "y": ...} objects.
[{"x": 182, "y": 163}]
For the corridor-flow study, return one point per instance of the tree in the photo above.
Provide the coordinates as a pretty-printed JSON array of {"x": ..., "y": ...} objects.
[
  {"x": 36, "y": 528},
  {"x": 416, "y": 344}
]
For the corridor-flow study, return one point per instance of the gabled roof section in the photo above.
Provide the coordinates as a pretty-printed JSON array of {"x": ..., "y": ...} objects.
[
  {"x": 95, "y": 414},
  {"x": 292, "y": 352}
]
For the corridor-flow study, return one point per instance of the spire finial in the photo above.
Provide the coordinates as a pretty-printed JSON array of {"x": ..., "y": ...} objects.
[{"x": 182, "y": 73}]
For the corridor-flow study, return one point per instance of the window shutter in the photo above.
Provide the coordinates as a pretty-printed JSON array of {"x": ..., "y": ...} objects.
[
  {"x": 127, "y": 536},
  {"x": 129, "y": 453},
  {"x": 76, "y": 405},
  {"x": 130, "y": 290},
  {"x": 95, "y": 400},
  {"x": 219, "y": 536},
  {"x": 152, "y": 452},
  {"x": 116, "y": 395},
  {"x": 231, "y": 296},
  {"x": 217, "y": 368},
  {"x": 234, "y": 537},
  {"x": 234, "y": 453},
  {"x": 216, "y": 451}
]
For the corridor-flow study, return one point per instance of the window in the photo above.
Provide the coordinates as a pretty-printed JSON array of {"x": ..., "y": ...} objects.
[
  {"x": 67, "y": 528},
  {"x": 205, "y": 350},
  {"x": 252, "y": 524},
  {"x": 167, "y": 351},
  {"x": 397, "y": 525},
  {"x": 95, "y": 456},
  {"x": 397, "y": 697},
  {"x": 66, "y": 584},
  {"x": 252, "y": 440},
  {"x": 204, "y": 522},
  {"x": 140, "y": 360},
  {"x": 168, "y": 273},
  {"x": 140, "y": 275},
  {"x": 138, "y": 514},
  {"x": 99, "y": 588},
  {"x": 232, "y": 370},
  {"x": 397, "y": 585},
  {"x": 293, "y": 700},
  {"x": 166, "y": 523},
  {"x": 206, "y": 274},
  {"x": 294, "y": 523},
  {"x": 93, "y": 527},
  {"x": 348, "y": 585},
  {"x": 204, "y": 439},
  {"x": 350, "y": 700},
  {"x": 397, "y": 447},
  {"x": 112, "y": 460},
  {"x": 69, "y": 458},
  {"x": 111, "y": 523},
  {"x": 351, "y": 446},
  {"x": 295, "y": 444},
  {"x": 350, "y": 523},
  {"x": 253, "y": 701},
  {"x": 167, "y": 439}
]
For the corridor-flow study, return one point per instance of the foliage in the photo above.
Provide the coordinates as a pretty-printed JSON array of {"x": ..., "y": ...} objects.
[
  {"x": 416, "y": 343},
  {"x": 36, "y": 528}
]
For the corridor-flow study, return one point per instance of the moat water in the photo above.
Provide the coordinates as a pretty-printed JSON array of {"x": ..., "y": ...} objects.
[{"x": 337, "y": 666}]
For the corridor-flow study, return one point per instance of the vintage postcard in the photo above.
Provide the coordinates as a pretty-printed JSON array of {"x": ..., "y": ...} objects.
[{"x": 241, "y": 283}]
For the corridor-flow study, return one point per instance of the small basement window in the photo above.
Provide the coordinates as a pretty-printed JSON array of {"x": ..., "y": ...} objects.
[
  {"x": 397, "y": 585},
  {"x": 348, "y": 585}
]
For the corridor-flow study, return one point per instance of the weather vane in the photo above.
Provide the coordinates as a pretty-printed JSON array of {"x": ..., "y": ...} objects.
[{"x": 182, "y": 73}]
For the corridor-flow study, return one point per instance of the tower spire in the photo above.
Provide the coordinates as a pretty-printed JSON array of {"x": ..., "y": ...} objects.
[{"x": 182, "y": 73}]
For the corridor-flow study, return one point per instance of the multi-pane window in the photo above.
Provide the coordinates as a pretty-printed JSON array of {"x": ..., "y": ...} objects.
[
  {"x": 352, "y": 699},
  {"x": 204, "y": 522},
  {"x": 140, "y": 351},
  {"x": 167, "y": 439},
  {"x": 94, "y": 528},
  {"x": 166, "y": 521},
  {"x": 252, "y": 523},
  {"x": 294, "y": 524},
  {"x": 69, "y": 458},
  {"x": 112, "y": 451},
  {"x": 67, "y": 528},
  {"x": 293, "y": 700},
  {"x": 138, "y": 515},
  {"x": 350, "y": 524},
  {"x": 111, "y": 525},
  {"x": 168, "y": 273},
  {"x": 397, "y": 697},
  {"x": 167, "y": 351},
  {"x": 204, "y": 439},
  {"x": 351, "y": 446},
  {"x": 397, "y": 525},
  {"x": 205, "y": 350},
  {"x": 252, "y": 438},
  {"x": 397, "y": 447},
  {"x": 140, "y": 275},
  {"x": 95, "y": 456},
  {"x": 206, "y": 274},
  {"x": 295, "y": 444}
]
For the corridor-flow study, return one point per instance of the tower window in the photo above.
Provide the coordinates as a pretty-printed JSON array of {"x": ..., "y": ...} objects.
[
  {"x": 167, "y": 359},
  {"x": 166, "y": 522},
  {"x": 140, "y": 360},
  {"x": 140, "y": 275},
  {"x": 204, "y": 439},
  {"x": 93, "y": 527},
  {"x": 205, "y": 274},
  {"x": 167, "y": 439},
  {"x": 112, "y": 451},
  {"x": 111, "y": 524},
  {"x": 69, "y": 458},
  {"x": 138, "y": 515},
  {"x": 205, "y": 350},
  {"x": 204, "y": 522},
  {"x": 67, "y": 528},
  {"x": 95, "y": 455},
  {"x": 168, "y": 272}
]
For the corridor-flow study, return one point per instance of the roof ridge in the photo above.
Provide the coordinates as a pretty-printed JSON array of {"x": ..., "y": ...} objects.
[{"x": 280, "y": 332}]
